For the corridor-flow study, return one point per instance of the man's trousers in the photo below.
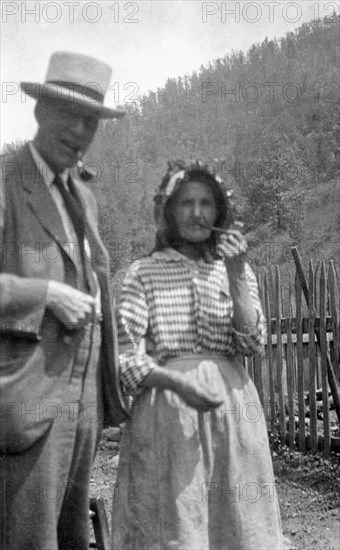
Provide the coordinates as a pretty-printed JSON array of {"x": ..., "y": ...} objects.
[{"x": 45, "y": 489}]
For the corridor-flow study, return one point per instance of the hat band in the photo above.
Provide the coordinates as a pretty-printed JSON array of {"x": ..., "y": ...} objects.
[{"x": 82, "y": 89}]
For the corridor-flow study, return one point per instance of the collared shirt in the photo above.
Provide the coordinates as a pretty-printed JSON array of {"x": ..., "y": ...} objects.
[
  {"x": 48, "y": 176},
  {"x": 184, "y": 307}
]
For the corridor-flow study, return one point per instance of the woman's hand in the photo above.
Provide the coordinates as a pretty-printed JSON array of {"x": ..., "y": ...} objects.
[
  {"x": 233, "y": 247},
  {"x": 196, "y": 396},
  {"x": 191, "y": 391}
]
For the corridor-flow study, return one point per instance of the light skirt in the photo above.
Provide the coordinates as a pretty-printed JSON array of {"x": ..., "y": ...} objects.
[{"x": 197, "y": 481}]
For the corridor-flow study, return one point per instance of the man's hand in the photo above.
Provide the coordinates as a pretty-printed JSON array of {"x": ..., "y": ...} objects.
[{"x": 71, "y": 306}]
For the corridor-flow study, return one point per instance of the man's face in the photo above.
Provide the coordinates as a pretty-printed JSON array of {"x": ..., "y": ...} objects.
[{"x": 64, "y": 130}]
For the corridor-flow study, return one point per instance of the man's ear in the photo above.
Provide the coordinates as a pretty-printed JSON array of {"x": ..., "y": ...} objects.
[
  {"x": 38, "y": 112},
  {"x": 42, "y": 111}
]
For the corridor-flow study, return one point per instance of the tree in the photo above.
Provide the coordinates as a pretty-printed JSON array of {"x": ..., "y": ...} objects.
[
  {"x": 13, "y": 146},
  {"x": 276, "y": 192}
]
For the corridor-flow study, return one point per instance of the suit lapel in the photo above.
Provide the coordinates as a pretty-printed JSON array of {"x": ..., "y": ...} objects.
[{"x": 42, "y": 203}]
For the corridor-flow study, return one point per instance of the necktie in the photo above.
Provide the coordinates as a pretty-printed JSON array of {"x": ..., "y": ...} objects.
[{"x": 76, "y": 214}]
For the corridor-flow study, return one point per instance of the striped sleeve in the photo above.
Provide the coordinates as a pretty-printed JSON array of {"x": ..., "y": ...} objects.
[
  {"x": 134, "y": 363},
  {"x": 252, "y": 341}
]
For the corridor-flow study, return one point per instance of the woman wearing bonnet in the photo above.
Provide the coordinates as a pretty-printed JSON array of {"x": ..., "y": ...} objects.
[{"x": 195, "y": 471}]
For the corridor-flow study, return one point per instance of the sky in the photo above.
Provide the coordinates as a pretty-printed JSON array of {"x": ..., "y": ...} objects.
[{"x": 145, "y": 42}]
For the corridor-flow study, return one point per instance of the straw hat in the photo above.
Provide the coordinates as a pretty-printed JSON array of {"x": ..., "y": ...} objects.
[{"x": 75, "y": 78}]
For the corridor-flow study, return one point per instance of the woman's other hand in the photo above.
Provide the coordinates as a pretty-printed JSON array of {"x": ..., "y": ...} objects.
[
  {"x": 191, "y": 391},
  {"x": 197, "y": 396}
]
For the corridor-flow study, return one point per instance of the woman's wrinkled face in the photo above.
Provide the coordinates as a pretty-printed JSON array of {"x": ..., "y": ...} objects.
[{"x": 194, "y": 209}]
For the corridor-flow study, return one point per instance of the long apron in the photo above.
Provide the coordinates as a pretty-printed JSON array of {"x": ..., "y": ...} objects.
[{"x": 197, "y": 481}]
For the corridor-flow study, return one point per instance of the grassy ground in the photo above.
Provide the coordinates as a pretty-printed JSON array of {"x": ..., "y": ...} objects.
[{"x": 308, "y": 487}]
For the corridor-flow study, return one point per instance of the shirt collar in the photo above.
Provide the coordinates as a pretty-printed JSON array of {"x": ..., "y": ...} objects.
[
  {"x": 44, "y": 169},
  {"x": 169, "y": 254}
]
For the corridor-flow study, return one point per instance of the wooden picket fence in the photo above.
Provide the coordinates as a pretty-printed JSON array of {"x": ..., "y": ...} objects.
[{"x": 292, "y": 372}]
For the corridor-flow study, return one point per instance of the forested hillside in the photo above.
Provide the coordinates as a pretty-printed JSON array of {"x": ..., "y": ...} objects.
[{"x": 268, "y": 120}]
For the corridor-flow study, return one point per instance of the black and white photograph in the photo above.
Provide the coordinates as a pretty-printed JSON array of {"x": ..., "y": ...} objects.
[{"x": 170, "y": 275}]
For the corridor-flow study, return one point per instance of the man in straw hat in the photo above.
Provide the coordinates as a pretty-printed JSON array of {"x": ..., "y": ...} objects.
[{"x": 58, "y": 346}]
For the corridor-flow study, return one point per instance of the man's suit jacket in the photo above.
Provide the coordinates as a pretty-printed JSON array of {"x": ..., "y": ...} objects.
[{"x": 36, "y": 350}]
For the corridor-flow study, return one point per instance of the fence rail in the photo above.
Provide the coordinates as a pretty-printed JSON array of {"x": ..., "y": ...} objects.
[{"x": 298, "y": 375}]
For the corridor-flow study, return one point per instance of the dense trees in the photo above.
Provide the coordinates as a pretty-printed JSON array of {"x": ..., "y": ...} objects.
[{"x": 271, "y": 117}]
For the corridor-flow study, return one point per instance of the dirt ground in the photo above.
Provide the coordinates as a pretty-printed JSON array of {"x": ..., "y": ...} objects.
[{"x": 308, "y": 487}]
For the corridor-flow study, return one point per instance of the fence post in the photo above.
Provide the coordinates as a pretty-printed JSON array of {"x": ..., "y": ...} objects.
[
  {"x": 269, "y": 354},
  {"x": 258, "y": 378},
  {"x": 279, "y": 362},
  {"x": 317, "y": 308},
  {"x": 312, "y": 361},
  {"x": 290, "y": 384},
  {"x": 323, "y": 350},
  {"x": 299, "y": 355},
  {"x": 258, "y": 374},
  {"x": 334, "y": 299},
  {"x": 292, "y": 314}
]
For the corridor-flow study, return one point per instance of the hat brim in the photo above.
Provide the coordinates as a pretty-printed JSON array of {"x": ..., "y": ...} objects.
[{"x": 55, "y": 93}]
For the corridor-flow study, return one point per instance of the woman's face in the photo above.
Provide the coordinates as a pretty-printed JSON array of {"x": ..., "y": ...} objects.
[{"x": 195, "y": 208}]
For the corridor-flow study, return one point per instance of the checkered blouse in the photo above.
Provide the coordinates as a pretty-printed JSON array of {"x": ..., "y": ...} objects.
[{"x": 182, "y": 306}]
